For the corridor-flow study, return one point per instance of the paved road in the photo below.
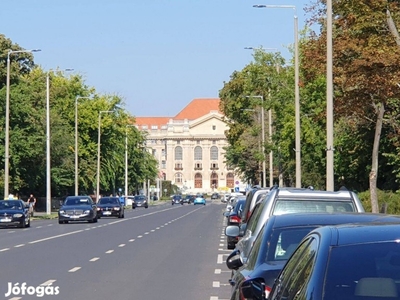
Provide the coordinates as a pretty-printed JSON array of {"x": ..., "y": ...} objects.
[{"x": 163, "y": 252}]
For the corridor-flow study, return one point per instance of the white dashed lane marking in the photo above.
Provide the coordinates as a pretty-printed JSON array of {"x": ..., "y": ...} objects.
[{"x": 74, "y": 269}]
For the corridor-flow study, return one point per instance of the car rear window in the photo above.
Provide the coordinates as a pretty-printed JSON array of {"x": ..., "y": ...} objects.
[{"x": 284, "y": 206}]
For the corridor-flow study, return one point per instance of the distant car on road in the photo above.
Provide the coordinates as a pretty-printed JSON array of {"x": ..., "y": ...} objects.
[
  {"x": 14, "y": 212},
  {"x": 177, "y": 199},
  {"x": 140, "y": 201},
  {"x": 77, "y": 208},
  {"x": 110, "y": 207},
  {"x": 199, "y": 200},
  {"x": 189, "y": 199},
  {"x": 215, "y": 196}
]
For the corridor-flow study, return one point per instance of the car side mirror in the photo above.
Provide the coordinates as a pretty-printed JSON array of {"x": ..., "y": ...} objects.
[
  {"x": 253, "y": 289},
  {"x": 234, "y": 260},
  {"x": 242, "y": 229},
  {"x": 232, "y": 231}
]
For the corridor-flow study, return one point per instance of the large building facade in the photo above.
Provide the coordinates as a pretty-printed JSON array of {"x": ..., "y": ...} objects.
[{"x": 190, "y": 147}]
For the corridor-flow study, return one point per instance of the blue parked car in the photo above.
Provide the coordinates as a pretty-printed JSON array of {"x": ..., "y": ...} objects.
[{"x": 199, "y": 200}]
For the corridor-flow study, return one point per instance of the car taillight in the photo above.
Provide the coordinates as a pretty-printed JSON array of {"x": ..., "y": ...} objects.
[
  {"x": 267, "y": 291},
  {"x": 234, "y": 219}
]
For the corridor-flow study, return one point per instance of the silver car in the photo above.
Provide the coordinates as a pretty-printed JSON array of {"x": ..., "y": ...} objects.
[{"x": 292, "y": 200}]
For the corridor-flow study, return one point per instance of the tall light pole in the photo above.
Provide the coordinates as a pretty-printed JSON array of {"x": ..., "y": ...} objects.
[
  {"x": 76, "y": 144},
  {"x": 98, "y": 154},
  {"x": 297, "y": 90},
  {"x": 7, "y": 129},
  {"x": 329, "y": 100},
  {"x": 264, "y": 179},
  {"x": 271, "y": 154},
  {"x": 48, "y": 162},
  {"x": 126, "y": 160}
]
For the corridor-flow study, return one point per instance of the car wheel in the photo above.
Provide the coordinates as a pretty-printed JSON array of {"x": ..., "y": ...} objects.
[
  {"x": 95, "y": 220},
  {"x": 123, "y": 215},
  {"x": 60, "y": 222},
  {"x": 29, "y": 223},
  {"x": 22, "y": 224},
  {"x": 146, "y": 206}
]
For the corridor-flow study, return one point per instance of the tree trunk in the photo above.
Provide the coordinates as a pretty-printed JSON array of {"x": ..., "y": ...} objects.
[
  {"x": 392, "y": 27},
  {"x": 373, "y": 175}
]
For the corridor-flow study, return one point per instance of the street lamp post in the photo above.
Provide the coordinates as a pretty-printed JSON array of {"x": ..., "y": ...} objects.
[
  {"x": 264, "y": 179},
  {"x": 7, "y": 125},
  {"x": 329, "y": 100},
  {"x": 98, "y": 154},
  {"x": 48, "y": 148},
  {"x": 297, "y": 90},
  {"x": 76, "y": 144},
  {"x": 126, "y": 160}
]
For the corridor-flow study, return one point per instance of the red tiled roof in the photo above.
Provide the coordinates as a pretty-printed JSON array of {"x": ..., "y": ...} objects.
[
  {"x": 152, "y": 121},
  {"x": 195, "y": 109},
  {"x": 198, "y": 108}
]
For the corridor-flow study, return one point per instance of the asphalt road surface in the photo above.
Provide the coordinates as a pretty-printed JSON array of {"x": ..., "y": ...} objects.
[{"x": 163, "y": 252}]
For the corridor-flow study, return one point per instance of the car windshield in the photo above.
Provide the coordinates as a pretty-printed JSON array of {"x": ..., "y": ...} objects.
[
  {"x": 77, "y": 201},
  {"x": 284, "y": 206},
  {"x": 140, "y": 198},
  {"x": 9, "y": 204},
  {"x": 368, "y": 270},
  {"x": 109, "y": 201}
]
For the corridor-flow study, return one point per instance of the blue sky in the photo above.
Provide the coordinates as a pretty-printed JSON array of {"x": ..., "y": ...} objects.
[{"x": 157, "y": 55}]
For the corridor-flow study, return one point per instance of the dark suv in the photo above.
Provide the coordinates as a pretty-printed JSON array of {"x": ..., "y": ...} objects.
[{"x": 214, "y": 196}]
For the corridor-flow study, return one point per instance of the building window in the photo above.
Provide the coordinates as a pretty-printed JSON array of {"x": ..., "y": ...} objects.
[
  {"x": 178, "y": 153},
  {"x": 178, "y": 166},
  {"x": 230, "y": 180},
  {"x": 214, "y": 142},
  {"x": 162, "y": 152},
  {"x": 214, "y": 166},
  {"x": 178, "y": 178},
  {"x": 154, "y": 152},
  {"x": 214, "y": 153},
  {"x": 214, "y": 180},
  {"x": 198, "y": 181},
  {"x": 214, "y": 127},
  {"x": 178, "y": 142},
  {"x": 154, "y": 127},
  {"x": 163, "y": 164},
  {"x": 198, "y": 153},
  {"x": 198, "y": 166},
  {"x": 144, "y": 127},
  {"x": 198, "y": 142}
]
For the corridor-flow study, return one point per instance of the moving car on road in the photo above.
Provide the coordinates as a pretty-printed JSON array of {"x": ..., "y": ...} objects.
[
  {"x": 177, "y": 199},
  {"x": 140, "y": 201},
  {"x": 199, "y": 200},
  {"x": 77, "y": 208},
  {"x": 110, "y": 207},
  {"x": 14, "y": 213}
]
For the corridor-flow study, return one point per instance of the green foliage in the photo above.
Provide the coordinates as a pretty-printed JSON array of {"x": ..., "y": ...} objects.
[{"x": 386, "y": 198}]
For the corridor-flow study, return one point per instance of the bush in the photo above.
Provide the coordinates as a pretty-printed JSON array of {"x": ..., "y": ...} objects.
[{"x": 388, "y": 198}]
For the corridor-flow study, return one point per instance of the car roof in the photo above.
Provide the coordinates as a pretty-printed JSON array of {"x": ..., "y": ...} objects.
[
  {"x": 348, "y": 234},
  {"x": 293, "y": 219},
  {"x": 293, "y": 193}
]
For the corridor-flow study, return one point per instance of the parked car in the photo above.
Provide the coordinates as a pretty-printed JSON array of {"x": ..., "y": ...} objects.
[
  {"x": 77, "y": 208},
  {"x": 276, "y": 242},
  {"x": 341, "y": 262},
  {"x": 293, "y": 200},
  {"x": 140, "y": 201},
  {"x": 255, "y": 195},
  {"x": 234, "y": 217},
  {"x": 110, "y": 207},
  {"x": 129, "y": 200},
  {"x": 14, "y": 213},
  {"x": 177, "y": 199},
  {"x": 199, "y": 200}
]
